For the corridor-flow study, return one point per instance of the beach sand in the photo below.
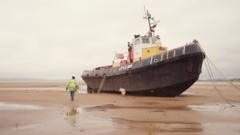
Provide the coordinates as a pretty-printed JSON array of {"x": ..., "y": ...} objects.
[{"x": 45, "y": 108}]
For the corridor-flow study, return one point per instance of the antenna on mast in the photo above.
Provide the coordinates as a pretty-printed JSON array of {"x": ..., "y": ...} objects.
[{"x": 152, "y": 24}]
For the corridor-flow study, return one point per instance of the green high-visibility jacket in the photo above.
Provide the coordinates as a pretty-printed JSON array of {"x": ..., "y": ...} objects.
[{"x": 72, "y": 85}]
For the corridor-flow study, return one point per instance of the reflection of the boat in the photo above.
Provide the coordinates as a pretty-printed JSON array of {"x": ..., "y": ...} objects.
[{"x": 72, "y": 116}]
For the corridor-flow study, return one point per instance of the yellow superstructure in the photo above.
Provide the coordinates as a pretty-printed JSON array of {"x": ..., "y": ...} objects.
[
  {"x": 151, "y": 51},
  {"x": 143, "y": 47}
]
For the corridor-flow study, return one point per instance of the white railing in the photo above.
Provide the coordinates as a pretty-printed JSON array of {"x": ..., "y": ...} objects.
[{"x": 169, "y": 54}]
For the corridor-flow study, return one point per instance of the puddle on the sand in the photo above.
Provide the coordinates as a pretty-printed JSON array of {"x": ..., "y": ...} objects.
[
  {"x": 106, "y": 107},
  {"x": 203, "y": 108},
  {"x": 72, "y": 116},
  {"x": 14, "y": 106},
  {"x": 82, "y": 121},
  {"x": 152, "y": 127},
  {"x": 212, "y": 108},
  {"x": 75, "y": 115}
]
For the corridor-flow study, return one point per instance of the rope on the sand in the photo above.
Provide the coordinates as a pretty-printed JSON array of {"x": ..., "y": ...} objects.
[{"x": 211, "y": 76}]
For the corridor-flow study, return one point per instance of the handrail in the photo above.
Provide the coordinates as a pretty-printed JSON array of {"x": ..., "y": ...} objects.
[{"x": 174, "y": 52}]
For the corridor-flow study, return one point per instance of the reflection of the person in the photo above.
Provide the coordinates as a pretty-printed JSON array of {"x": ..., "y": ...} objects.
[{"x": 72, "y": 116}]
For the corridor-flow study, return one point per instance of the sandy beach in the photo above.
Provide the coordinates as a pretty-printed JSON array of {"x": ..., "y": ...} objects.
[{"x": 45, "y": 108}]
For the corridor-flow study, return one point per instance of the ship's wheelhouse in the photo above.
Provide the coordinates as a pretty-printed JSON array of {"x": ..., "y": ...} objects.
[{"x": 146, "y": 46}]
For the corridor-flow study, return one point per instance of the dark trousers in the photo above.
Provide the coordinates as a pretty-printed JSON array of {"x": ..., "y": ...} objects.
[{"x": 72, "y": 93}]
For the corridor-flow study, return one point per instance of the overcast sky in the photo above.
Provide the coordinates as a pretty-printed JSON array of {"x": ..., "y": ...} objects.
[{"x": 54, "y": 39}]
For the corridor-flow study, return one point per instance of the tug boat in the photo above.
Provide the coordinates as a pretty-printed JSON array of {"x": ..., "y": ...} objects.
[{"x": 150, "y": 69}]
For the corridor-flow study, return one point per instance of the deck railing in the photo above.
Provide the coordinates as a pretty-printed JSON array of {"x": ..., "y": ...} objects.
[{"x": 187, "y": 49}]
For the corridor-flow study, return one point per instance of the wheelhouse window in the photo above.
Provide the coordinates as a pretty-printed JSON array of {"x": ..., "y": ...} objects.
[
  {"x": 137, "y": 41},
  {"x": 145, "y": 40},
  {"x": 154, "y": 40}
]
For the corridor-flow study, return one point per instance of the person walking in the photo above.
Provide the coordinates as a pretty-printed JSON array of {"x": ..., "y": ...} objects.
[{"x": 72, "y": 87}]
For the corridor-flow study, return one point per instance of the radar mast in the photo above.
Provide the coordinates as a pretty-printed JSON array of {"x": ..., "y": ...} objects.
[{"x": 152, "y": 24}]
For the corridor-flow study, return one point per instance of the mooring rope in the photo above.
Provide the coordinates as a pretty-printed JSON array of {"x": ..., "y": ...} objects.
[
  {"x": 212, "y": 77},
  {"x": 225, "y": 78},
  {"x": 214, "y": 65}
]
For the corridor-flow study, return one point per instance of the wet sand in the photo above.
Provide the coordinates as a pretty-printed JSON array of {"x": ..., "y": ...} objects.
[{"x": 45, "y": 109}]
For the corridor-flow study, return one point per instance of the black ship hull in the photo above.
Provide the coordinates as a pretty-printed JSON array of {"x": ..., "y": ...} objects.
[{"x": 167, "y": 74}]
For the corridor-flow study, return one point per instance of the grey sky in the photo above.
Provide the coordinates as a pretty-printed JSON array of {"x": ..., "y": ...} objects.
[{"x": 54, "y": 39}]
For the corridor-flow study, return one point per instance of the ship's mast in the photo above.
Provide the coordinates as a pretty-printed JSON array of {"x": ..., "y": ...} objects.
[{"x": 151, "y": 23}]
